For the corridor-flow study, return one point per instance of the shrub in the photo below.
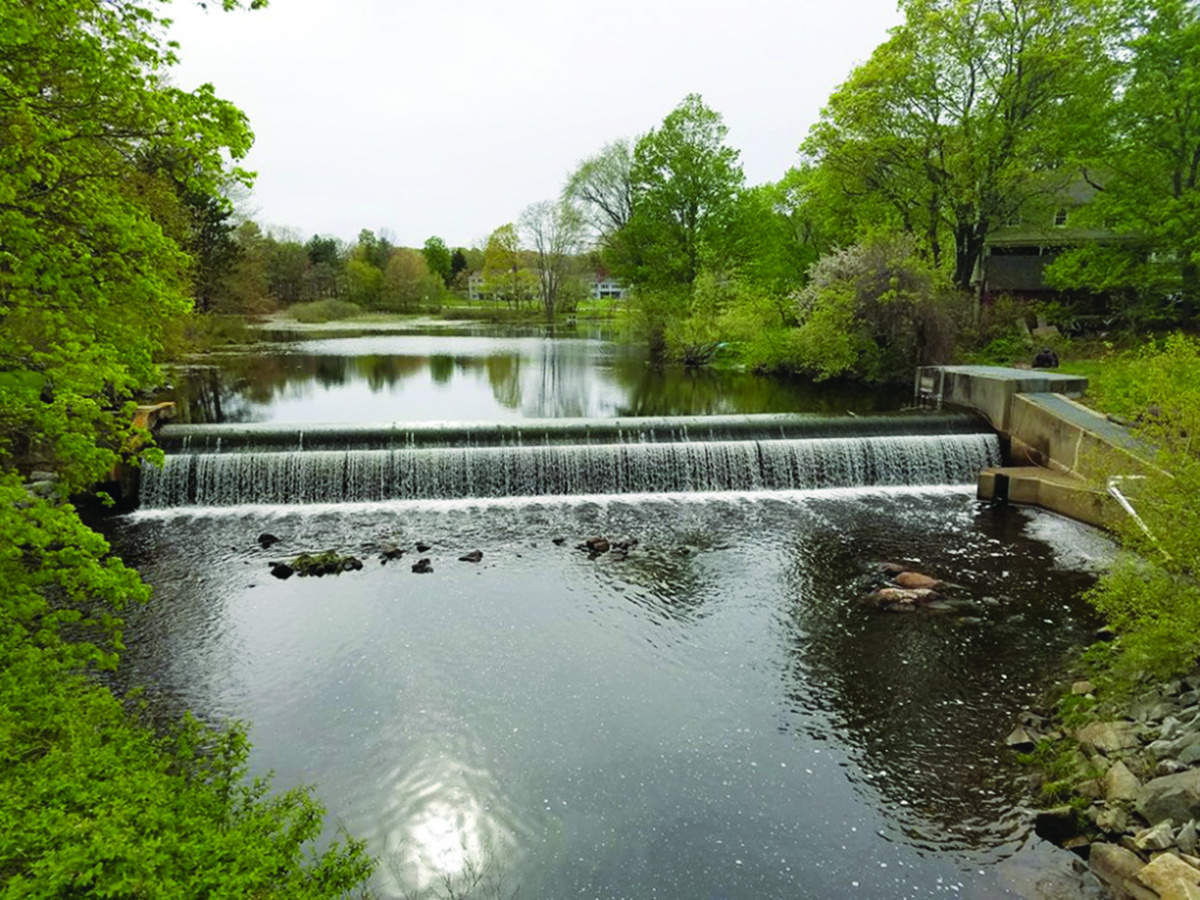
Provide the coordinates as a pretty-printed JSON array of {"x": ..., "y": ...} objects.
[
  {"x": 876, "y": 310},
  {"x": 1152, "y": 596},
  {"x": 319, "y": 311}
]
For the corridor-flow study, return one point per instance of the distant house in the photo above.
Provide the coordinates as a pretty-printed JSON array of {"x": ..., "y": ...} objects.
[
  {"x": 599, "y": 287},
  {"x": 605, "y": 287},
  {"x": 1016, "y": 254}
]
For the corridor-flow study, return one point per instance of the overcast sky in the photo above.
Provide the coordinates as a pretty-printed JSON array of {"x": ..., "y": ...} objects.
[{"x": 449, "y": 117}]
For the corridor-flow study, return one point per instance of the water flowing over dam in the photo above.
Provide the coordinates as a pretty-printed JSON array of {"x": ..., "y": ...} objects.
[{"x": 223, "y": 465}]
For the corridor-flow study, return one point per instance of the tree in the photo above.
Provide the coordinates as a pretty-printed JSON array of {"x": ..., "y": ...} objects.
[
  {"x": 602, "y": 191},
  {"x": 93, "y": 268},
  {"x": 407, "y": 281},
  {"x": 245, "y": 286},
  {"x": 89, "y": 279},
  {"x": 503, "y": 273},
  {"x": 438, "y": 259},
  {"x": 962, "y": 116},
  {"x": 1143, "y": 157},
  {"x": 555, "y": 231},
  {"x": 458, "y": 263},
  {"x": 684, "y": 183}
]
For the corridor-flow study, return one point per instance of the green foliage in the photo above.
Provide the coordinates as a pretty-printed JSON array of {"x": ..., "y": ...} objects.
[
  {"x": 684, "y": 185},
  {"x": 438, "y": 259},
  {"x": 324, "y": 311},
  {"x": 1152, "y": 596},
  {"x": 1143, "y": 154},
  {"x": 964, "y": 115},
  {"x": 876, "y": 310},
  {"x": 89, "y": 271},
  {"x": 98, "y": 257}
]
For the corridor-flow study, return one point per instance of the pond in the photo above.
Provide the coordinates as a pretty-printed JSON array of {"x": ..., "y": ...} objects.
[
  {"x": 712, "y": 713},
  {"x": 483, "y": 373}
]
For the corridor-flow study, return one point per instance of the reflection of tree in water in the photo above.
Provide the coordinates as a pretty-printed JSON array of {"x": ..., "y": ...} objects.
[
  {"x": 679, "y": 391},
  {"x": 923, "y": 700},
  {"x": 210, "y": 395},
  {"x": 441, "y": 369},
  {"x": 561, "y": 383},
  {"x": 384, "y": 372},
  {"x": 504, "y": 375}
]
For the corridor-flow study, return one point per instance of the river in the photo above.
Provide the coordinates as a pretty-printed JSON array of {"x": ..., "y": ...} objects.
[{"x": 714, "y": 713}]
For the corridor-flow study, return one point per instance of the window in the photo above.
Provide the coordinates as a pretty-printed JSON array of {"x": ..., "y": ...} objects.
[{"x": 1060, "y": 218}]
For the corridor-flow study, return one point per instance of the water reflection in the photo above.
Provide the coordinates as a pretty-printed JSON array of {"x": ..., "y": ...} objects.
[
  {"x": 422, "y": 378},
  {"x": 725, "y": 721}
]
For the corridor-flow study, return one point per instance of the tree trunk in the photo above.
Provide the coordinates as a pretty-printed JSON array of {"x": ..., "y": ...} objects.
[{"x": 968, "y": 247}]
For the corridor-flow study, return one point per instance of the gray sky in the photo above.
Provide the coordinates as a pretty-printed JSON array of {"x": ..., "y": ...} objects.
[{"x": 449, "y": 118}]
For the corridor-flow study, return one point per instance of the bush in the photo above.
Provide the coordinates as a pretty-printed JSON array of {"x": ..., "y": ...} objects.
[
  {"x": 876, "y": 310},
  {"x": 1152, "y": 596},
  {"x": 94, "y": 802},
  {"x": 319, "y": 311}
]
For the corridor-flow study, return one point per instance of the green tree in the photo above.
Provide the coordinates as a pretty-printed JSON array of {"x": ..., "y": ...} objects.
[
  {"x": 504, "y": 273},
  {"x": 93, "y": 268},
  {"x": 962, "y": 117},
  {"x": 1143, "y": 157},
  {"x": 684, "y": 183},
  {"x": 88, "y": 277},
  {"x": 555, "y": 231},
  {"x": 602, "y": 190},
  {"x": 407, "y": 281},
  {"x": 438, "y": 259}
]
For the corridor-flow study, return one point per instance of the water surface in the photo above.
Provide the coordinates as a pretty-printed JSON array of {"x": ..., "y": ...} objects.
[
  {"x": 485, "y": 375},
  {"x": 718, "y": 715}
]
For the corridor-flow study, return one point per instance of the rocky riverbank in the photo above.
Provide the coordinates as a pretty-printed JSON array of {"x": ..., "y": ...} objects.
[{"x": 1129, "y": 787}]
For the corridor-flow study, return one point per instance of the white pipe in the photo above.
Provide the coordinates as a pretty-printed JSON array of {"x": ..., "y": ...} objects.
[{"x": 1115, "y": 492}]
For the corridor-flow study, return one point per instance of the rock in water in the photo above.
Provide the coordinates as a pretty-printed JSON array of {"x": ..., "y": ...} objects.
[
  {"x": 916, "y": 581},
  {"x": 266, "y": 539},
  {"x": 389, "y": 552},
  {"x": 1021, "y": 741},
  {"x": 597, "y": 545},
  {"x": 422, "y": 546},
  {"x": 282, "y": 570},
  {"x": 474, "y": 556},
  {"x": 422, "y": 566}
]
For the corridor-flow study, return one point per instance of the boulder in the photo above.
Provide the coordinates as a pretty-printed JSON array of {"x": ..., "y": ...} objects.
[
  {"x": 282, "y": 570},
  {"x": 423, "y": 547},
  {"x": 1180, "y": 890},
  {"x": 1156, "y": 837},
  {"x": 1113, "y": 865},
  {"x": 1164, "y": 871},
  {"x": 1171, "y": 797},
  {"x": 423, "y": 566},
  {"x": 891, "y": 570},
  {"x": 597, "y": 545},
  {"x": 1021, "y": 741},
  {"x": 473, "y": 557},
  {"x": 1120, "y": 784},
  {"x": 1108, "y": 737},
  {"x": 558, "y": 541},
  {"x": 1186, "y": 839},
  {"x": 351, "y": 564},
  {"x": 266, "y": 539},
  {"x": 1112, "y": 820},
  {"x": 916, "y": 581},
  {"x": 1082, "y": 688}
]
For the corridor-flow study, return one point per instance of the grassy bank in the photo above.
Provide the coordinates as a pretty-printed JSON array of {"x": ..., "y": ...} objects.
[{"x": 97, "y": 803}]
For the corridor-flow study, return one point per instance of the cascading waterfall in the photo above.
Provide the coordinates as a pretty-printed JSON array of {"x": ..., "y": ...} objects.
[{"x": 437, "y": 463}]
